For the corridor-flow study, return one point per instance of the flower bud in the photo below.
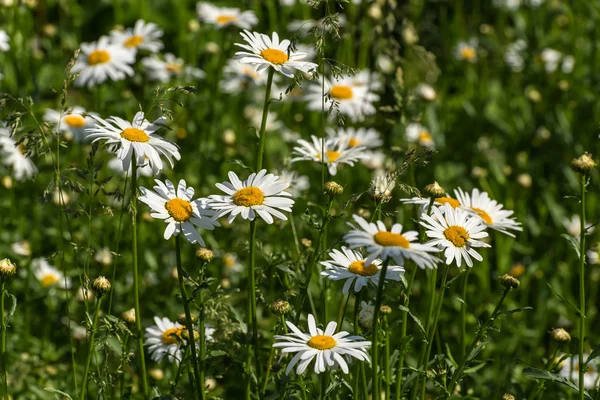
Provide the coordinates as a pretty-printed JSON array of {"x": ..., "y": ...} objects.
[
  {"x": 129, "y": 316},
  {"x": 7, "y": 268},
  {"x": 204, "y": 254},
  {"x": 186, "y": 336},
  {"x": 509, "y": 281},
  {"x": 101, "y": 286},
  {"x": 385, "y": 309},
  {"x": 561, "y": 336},
  {"x": 434, "y": 190},
  {"x": 280, "y": 307},
  {"x": 183, "y": 320},
  {"x": 306, "y": 242},
  {"x": 583, "y": 164},
  {"x": 333, "y": 189},
  {"x": 508, "y": 397}
]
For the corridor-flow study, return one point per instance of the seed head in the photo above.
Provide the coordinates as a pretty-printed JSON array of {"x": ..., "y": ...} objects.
[
  {"x": 561, "y": 336},
  {"x": 385, "y": 309},
  {"x": 334, "y": 189},
  {"x": 183, "y": 321},
  {"x": 434, "y": 190},
  {"x": 7, "y": 268},
  {"x": 508, "y": 397},
  {"x": 186, "y": 336},
  {"x": 204, "y": 254},
  {"x": 281, "y": 307},
  {"x": 509, "y": 281},
  {"x": 584, "y": 164},
  {"x": 129, "y": 316},
  {"x": 306, "y": 242},
  {"x": 101, "y": 286}
]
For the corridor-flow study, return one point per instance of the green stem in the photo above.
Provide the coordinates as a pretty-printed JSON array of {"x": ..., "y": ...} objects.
[
  {"x": 386, "y": 359},
  {"x": 263, "y": 123},
  {"x": 400, "y": 370},
  {"x": 343, "y": 307},
  {"x": 83, "y": 394},
  {"x": 114, "y": 271},
  {"x": 323, "y": 381},
  {"x": 3, "y": 343},
  {"x": 375, "y": 331},
  {"x": 252, "y": 313},
  {"x": 201, "y": 329},
  {"x": 123, "y": 361},
  {"x": 188, "y": 319},
  {"x": 582, "y": 290},
  {"x": 463, "y": 315},
  {"x": 136, "y": 279}
]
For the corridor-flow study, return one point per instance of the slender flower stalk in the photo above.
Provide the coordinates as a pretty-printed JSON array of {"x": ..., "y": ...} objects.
[
  {"x": 375, "y": 330},
  {"x": 463, "y": 315},
  {"x": 188, "y": 320},
  {"x": 3, "y": 342},
  {"x": 582, "y": 289},
  {"x": 83, "y": 393},
  {"x": 386, "y": 358},
  {"x": 136, "y": 280},
  {"x": 263, "y": 124}
]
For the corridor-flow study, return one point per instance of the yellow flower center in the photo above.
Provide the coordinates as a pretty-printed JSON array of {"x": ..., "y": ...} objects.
[
  {"x": 223, "y": 19},
  {"x": 179, "y": 209},
  {"x": 353, "y": 142},
  {"x": 358, "y": 268},
  {"x": 443, "y": 200},
  {"x": 173, "y": 67},
  {"x": 457, "y": 235},
  {"x": 274, "y": 56},
  {"x": 228, "y": 260},
  {"x": 424, "y": 136},
  {"x": 332, "y": 156},
  {"x": 389, "y": 239},
  {"x": 135, "y": 135},
  {"x": 75, "y": 121},
  {"x": 172, "y": 336},
  {"x": 134, "y": 41},
  {"x": 517, "y": 270},
  {"x": 248, "y": 197},
  {"x": 251, "y": 72},
  {"x": 322, "y": 342},
  {"x": 468, "y": 53},
  {"x": 98, "y": 57},
  {"x": 484, "y": 216},
  {"x": 341, "y": 92},
  {"x": 49, "y": 280}
]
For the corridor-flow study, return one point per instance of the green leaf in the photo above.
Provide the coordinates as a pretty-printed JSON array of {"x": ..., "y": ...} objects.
[
  {"x": 540, "y": 374},
  {"x": 58, "y": 392},
  {"x": 595, "y": 353},
  {"x": 516, "y": 310},
  {"x": 416, "y": 319},
  {"x": 13, "y": 307},
  {"x": 564, "y": 299},
  {"x": 574, "y": 241}
]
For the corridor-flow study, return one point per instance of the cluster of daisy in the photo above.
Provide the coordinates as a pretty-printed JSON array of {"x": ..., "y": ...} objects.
[
  {"x": 14, "y": 155},
  {"x": 4, "y": 44}
]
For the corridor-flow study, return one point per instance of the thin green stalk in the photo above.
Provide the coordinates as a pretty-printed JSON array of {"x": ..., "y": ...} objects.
[
  {"x": 202, "y": 340},
  {"x": 252, "y": 313},
  {"x": 3, "y": 342},
  {"x": 188, "y": 320},
  {"x": 123, "y": 358},
  {"x": 400, "y": 369},
  {"x": 375, "y": 331},
  {"x": 482, "y": 331},
  {"x": 83, "y": 394},
  {"x": 433, "y": 327},
  {"x": 582, "y": 289},
  {"x": 386, "y": 359},
  {"x": 463, "y": 315},
  {"x": 323, "y": 381},
  {"x": 263, "y": 123},
  {"x": 114, "y": 271},
  {"x": 343, "y": 307},
  {"x": 136, "y": 279}
]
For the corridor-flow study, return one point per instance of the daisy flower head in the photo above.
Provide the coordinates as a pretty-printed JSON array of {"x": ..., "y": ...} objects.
[
  {"x": 298, "y": 183},
  {"x": 178, "y": 210},
  {"x": 438, "y": 202},
  {"x": 365, "y": 314},
  {"x": 163, "y": 339},
  {"x": 22, "y": 248},
  {"x": 573, "y": 226},
  {"x": 366, "y": 137},
  {"x": 467, "y": 50},
  {"x": 167, "y": 68},
  {"x": 552, "y": 59},
  {"x": 347, "y": 95},
  {"x": 381, "y": 243},
  {"x": 263, "y": 194},
  {"x": 73, "y": 121},
  {"x": 48, "y": 276},
  {"x": 324, "y": 347},
  {"x": 102, "y": 60},
  {"x": 455, "y": 231},
  {"x": 264, "y": 52},
  {"x": 382, "y": 186},
  {"x": 336, "y": 152},
  {"x": 222, "y": 17},
  {"x": 426, "y": 92},
  {"x": 490, "y": 211},
  {"x": 137, "y": 138},
  {"x": 4, "y": 41},
  {"x": 350, "y": 265},
  {"x": 143, "y": 36},
  {"x": 15, "y": 156},
  {"x": 418, "y": 134},
  {"x": 238, "y": 77},
  {"x": 569, "y": 368}
]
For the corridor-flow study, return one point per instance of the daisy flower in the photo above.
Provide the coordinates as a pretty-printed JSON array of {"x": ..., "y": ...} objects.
[
  {"x": 515, "y": 55},
  {"x": 379, "y": 242},
  {"x": 143, "y": 36},
  {"x": 374, "y": 160},
  {"x": 238, "y": 77},
  {"x": 298, "y": 183},
  {"x": 457, "y": 232},
  {"x": 260, "y": 194},
  {"x": 569, "y": 368},
  {"x": 222, "y": 17},
  {"x": 164, "y": 339},
  {"x": 438, "y": 202},
  {"x": 48, "y": 275},
  {"x": 426, "y": 92},
  {"x": 573, "y": 226},
  {"x": 325, "y": 347},
  {"x": 490, "y": 211},
  {"x": 350, "y": 265},
  {"x": 365, "y": 314},
  {"x": 178, "y": 210},
  {"x": 336, "y": 152},
  {"x": 4, "y": 41},
  {"x": 349, "y": 96},
  {"x": 102, "y": 60},
  {"x": 467, "y": 51},
  {"x": 171, "y": 67},
  {"x": 382, "y": 186},
  {"x": 137, "y": 137},
  {"x": 265, "y": 52},
  {"x": 117, "y": 166},
  {"x": 73, "y": 121},
  {"x": 14, "y": 157},
  {"x": 552, "y": 59},
  {"x": 22, "y": 248},
  {"x": 232, "y": 263},
  {"x": 417, "y": 133},
  {"x": 366, "y": 137}
]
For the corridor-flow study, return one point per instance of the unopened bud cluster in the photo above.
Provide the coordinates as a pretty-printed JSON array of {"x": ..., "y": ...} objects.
[
  {"x": 7, "y": 268},
  {"x": 334, "y": 189},
  {"x": 584, "y": 164},
  {"x": 101, "y": 286},
  {"x": 509, "y": 281},
  {"x": 204, "y": 254},
  {"x": 561, "y": 336},
  {"x": 434, "y": 190},
  {"x": 280, "y": 307}
]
